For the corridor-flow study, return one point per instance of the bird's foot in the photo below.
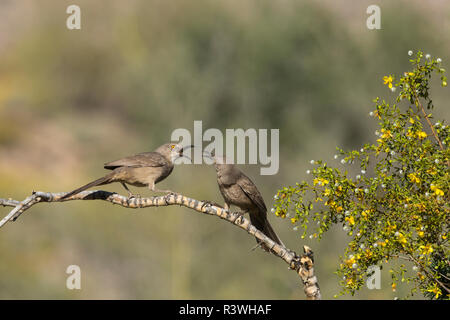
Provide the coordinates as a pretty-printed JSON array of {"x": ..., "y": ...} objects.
[
  {"x": 171, "y": 193},
  {"x": 207, "y": 203},
  {"x": 133, "y": 196},
  {"x": 167, "y": 192}
]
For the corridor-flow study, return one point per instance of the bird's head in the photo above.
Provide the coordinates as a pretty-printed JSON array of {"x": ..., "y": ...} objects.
[
  {"x": 221, "y": 163},
  {"x": 172, "y": 151}
]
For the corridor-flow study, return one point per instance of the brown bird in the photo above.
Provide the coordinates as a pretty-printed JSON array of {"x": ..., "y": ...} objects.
[
  {"x": 140, "y": 170},
  {"x": 237, "y": 189}
]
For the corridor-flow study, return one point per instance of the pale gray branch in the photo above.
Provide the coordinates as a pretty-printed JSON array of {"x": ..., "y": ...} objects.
[{"x": 303, "y": 265}]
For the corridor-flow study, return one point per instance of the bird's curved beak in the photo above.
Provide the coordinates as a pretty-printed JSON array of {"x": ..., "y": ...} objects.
[
  {"x": 186, "y": 148},
  {"x": 209, "y": 155}
]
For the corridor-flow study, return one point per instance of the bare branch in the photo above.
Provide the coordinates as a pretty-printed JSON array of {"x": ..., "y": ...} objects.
[
  {"x": 303, "y": 265},
  {"x": 8, "y": 202}
]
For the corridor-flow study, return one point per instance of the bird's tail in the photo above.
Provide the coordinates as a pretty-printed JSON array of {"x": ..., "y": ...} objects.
[
  {"x": 103, "y": 180},
  {"x": 262, "y": 224}
]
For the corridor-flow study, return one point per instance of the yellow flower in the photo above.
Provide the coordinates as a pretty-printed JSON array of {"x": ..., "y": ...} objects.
[
  {"x": 436, "y": 190},
  {"x": 327, "y": 192},
  {"x": 402, "y": 239},
  {"x": 294, "y": 220},
  {"x": 350, "y": 220},
  {"x": 388, "y": 80},
  {"x": 421, "y": 234},
  {"x": 436, "y": 291},
  {"x": 384, "y": 243},
  {"x": 410, "y": 133},
  {"x": 321, "y": 180},
  {"x": 411, "y": 120},
  {"x": 414, "y": 178},
  {"x": 426, "y": 249},
  {"x": 350, "y": 261},
  {"x": 421, "y": 135},
  {"x": 386, "y": 134},
  {"x": 394, "y": 286}
]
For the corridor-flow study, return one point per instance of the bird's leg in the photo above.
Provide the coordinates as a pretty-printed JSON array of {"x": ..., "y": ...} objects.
[
  {"x": 263, "y": 246},
  {"x": 153, "y": 188},
  {"x": 259, "y": 244},
  {"x": 130, "y": 194}
]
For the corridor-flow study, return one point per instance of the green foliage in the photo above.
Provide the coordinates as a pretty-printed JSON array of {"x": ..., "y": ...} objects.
[{"x": 397, "y": 207}]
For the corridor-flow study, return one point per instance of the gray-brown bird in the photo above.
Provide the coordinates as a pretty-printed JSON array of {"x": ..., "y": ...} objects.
[
  {"x": 140, "y": 170},
  {"x": 237, "y": 189}
]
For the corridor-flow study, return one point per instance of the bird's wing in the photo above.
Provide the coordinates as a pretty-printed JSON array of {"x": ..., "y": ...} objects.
[
  {"x": 146, "y": 159},
  {"x": 249, "y": 188}
]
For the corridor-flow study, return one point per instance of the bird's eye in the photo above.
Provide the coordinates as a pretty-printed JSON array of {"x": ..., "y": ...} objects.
[{"x": 172, "y": 146}]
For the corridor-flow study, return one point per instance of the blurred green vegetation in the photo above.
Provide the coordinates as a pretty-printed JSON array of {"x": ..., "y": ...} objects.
[{"x": 137, "y": 70}]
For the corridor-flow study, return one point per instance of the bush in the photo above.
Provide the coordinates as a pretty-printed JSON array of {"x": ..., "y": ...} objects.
[{"x": 397, "y": 207}]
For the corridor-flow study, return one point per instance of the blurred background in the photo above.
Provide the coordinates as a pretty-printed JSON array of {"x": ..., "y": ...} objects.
[{"x": 71, "y": 100}]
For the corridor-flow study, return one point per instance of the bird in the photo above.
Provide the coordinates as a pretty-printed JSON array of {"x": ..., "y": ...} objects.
[
  {"x": 237, "y": 189},
  {"x": 141, "y": 170}
]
